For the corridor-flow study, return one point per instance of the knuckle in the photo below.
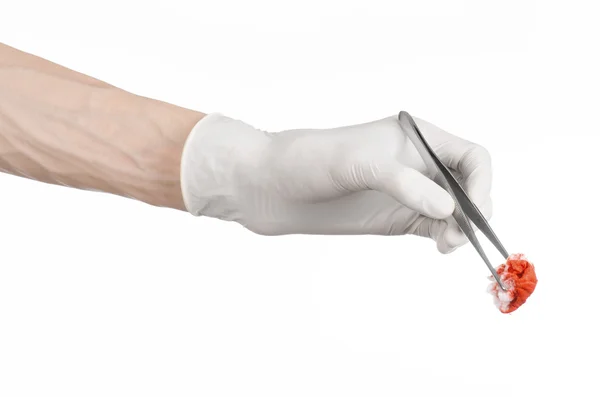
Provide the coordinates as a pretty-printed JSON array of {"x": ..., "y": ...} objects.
[
  {"x": 480, "y": 153},
  {"x": 394, "y": 221},
  {"x": 474, "y": 155}
]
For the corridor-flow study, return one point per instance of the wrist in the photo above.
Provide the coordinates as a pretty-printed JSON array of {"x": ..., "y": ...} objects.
[
  {"x": 166, "y": 129},
  {"x": 220, "y": 156}
]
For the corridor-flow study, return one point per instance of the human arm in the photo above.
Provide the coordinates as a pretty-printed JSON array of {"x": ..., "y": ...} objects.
[
  {"x": 59, "y": 126},
  {"x": 62, "y": 127}
]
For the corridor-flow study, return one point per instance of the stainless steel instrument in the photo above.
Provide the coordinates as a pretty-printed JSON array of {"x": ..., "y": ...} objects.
[{"x": 465, "y": 210}]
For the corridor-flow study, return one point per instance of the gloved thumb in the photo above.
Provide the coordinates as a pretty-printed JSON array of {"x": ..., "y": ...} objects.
[{"x": 412, "y": 189}]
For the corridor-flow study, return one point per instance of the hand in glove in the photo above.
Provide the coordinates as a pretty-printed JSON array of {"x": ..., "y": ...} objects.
[{"x": 361, "y": 179}]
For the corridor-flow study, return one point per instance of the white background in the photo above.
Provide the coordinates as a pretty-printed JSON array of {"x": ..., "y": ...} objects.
[{"x": 104, "y": 296}]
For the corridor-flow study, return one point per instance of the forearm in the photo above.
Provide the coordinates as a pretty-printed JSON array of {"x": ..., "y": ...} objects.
[{"x": 59, "y": 126}]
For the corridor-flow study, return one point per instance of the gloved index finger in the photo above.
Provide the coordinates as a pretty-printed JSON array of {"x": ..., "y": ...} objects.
[{"x": 471, "y": 160}]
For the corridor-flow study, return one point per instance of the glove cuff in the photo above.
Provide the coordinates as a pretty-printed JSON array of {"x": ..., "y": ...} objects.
[{"x": 219, "y": 156}]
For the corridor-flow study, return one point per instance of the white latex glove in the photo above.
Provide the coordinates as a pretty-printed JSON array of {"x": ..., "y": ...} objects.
[{"x": 361, "y": 179}]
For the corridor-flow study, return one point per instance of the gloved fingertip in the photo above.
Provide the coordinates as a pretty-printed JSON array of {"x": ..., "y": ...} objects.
[
  {"x": 450, "y": 239},
  {"x": 438, "y": 204},
  {"x": 454, "y": 237},
  {"x": 449, "y": 250},
  {"x": 445, "y": 248},
  {"x": 487, "y": 209}
]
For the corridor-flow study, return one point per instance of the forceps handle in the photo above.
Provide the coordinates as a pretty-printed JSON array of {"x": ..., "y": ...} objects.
[{"x": 465, "y": 209}]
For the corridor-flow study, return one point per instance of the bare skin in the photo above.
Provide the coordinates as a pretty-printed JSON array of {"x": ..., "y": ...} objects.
[{"x": 62, "y": 127}]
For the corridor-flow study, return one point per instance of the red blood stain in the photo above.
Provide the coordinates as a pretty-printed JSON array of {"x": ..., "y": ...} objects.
[{"x": 518, "y": 276}]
